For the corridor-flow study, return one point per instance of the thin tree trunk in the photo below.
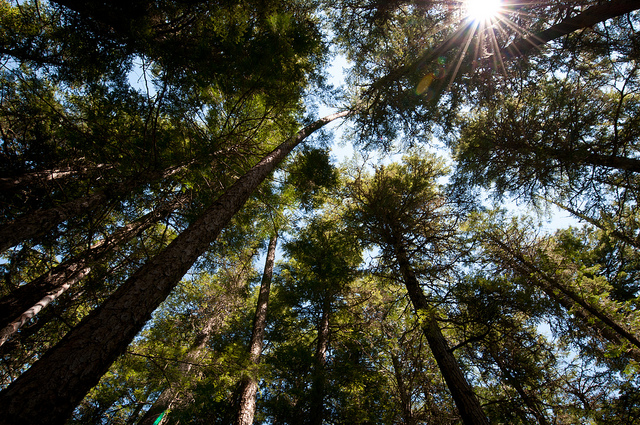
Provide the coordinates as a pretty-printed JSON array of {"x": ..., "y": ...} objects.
[
  {"x": 48, "y": 392},
  {"x": 27, "y": 300},
  {"x": 553, "y": 286},
  {"x": 216, "y": 317},
  {"x": 520, "y": 47},
  {"x": 38, "y": 223},
  {"x": 466, "y": 401},
  {"x": 318, "y": 387},
  {"x": 249, "y": 384},
  {"x": 403, "y": 392},
  {"x": 623, "y": 237},
  {"x": 39, "y": 178},
  {"x": 194, "y": 354},
  {"x": 532, "y": 404}
]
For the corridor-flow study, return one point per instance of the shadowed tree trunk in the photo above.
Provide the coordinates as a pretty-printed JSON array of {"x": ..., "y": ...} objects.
[
  {"x": 40, "y": 178},
  {"x": 249, "y": 384},
  {"x": 27, "y": 300},
  {"x": 38, "y": 223},
  {"x": 605, "y": 325},
  {"x": 318, "y": 386},
  {"x": 48, "y": 392},
  {"x": 468, "y": 405}
]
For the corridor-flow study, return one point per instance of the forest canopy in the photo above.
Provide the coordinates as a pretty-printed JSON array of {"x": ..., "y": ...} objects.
[{"x": 182, "y": 242}]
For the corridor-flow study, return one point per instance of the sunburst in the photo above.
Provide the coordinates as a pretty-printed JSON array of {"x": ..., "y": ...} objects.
[{"x": 482, "y": 10}]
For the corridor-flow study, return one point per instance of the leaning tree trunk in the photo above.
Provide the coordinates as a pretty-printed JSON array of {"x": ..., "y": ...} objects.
[
  {"x": 41, "y": 178},
  {"x": 590, "y": 17},
  {"x": 465, "y": 399},
  {"x": 27, "y": 300},
  {"x": 533, "y": 405},
  {"x": 214, "y": 319},
  {"x": 48, "y": 392},
  {"x": 318, "y": 386},
  {"x": 167, "y": 398},
  {"x": 604, "y": 324},
  {"x": 38, "y": 223},
  {"x": 249, "y": 383}
]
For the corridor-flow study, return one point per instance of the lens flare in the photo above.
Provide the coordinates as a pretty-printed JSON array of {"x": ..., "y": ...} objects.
[{"x": 482, "y": 10}]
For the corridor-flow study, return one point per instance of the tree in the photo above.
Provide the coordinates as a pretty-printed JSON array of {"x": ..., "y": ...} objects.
[
  {"x": 401, "y": 211},
  {"x": 220, "y": 85},
  {"x": 249, "y": 384},
  {"x": 27, "y": 300},
  {"x": 576, "y": 286},
  {"x": 147, "y": 288}
]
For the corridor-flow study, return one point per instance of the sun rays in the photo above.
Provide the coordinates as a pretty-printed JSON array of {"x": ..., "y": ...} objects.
[
  {"x": 482, "y": 10},
  {"x": 485, "y": 27}
]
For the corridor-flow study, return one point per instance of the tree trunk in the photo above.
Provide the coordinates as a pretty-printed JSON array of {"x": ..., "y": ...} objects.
[
  {"x": 194, "y": 354},
  {"x": 557, "y": 291},
  {"x": 27, "y": 300},
  {"x": 403, "y": 391},
  {"x": 40, "y": 178},
  {"x": 170, "y": 397},
  {"x": 38, "y": 223},
  {"x": 249, "y": 384},
  {"x": 466, "y": 401},
  {"x": 588, "y": 18},
  {"x": 532, "y": 404},
  {"x": 632, "y": 240},
  {"x": 318, "y": 387},
  {"x": 48, "y": 392}
]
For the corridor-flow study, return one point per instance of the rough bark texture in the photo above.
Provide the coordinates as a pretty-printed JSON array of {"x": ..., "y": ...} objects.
[
  {"x": 39, "y": 222},
  {"x": 27, "y": 300},
  {"x": 319, "y": 379},
  {"x": 465, "y": 399},
  {"x": 48, "y": 392},
  {"x": 249, "y": 385}
]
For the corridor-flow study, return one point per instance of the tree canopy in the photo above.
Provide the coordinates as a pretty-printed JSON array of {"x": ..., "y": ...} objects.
[{"x": 154, "y": 152}]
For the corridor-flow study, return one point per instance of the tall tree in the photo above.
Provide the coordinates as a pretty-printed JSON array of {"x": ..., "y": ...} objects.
[
  {"x": 249, "y": 384},
  {"x": 115, "y": 323},
  {"x": 401, "y": 210}
]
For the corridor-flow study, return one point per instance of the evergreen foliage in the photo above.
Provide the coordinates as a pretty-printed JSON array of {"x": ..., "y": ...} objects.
[{"x": 151, "y": 149}]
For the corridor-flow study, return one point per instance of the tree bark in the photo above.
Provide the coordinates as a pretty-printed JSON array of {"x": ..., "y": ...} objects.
[
  {"x": 318, "y": 387},
  {"x": 39, "y": 178},
  {"x": 590, "y": 17},
  {"x": 465, "y": 399},
  {"x": 249, "y": 384},
  {"x": 48, "y": 392},
  {"x": 27, "y": 300},
  {"x": 39, "y": 222}
]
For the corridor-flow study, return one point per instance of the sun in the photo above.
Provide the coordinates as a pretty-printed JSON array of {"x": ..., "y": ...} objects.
[{"x": 482, "y": 10}]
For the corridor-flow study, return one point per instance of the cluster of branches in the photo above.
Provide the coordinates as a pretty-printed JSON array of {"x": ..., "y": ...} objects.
[{"x": 112, "y": 193}]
